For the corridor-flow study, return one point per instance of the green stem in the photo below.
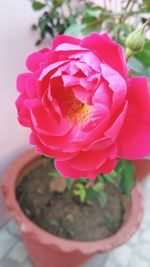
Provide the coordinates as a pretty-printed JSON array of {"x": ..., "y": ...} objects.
[
  {"x": 128, "y": 53},
  {"x": 145, "y": 24},
  {"x": 128, "y": 3},
  {"x": 69, "y": 8},
  {"x": 128, "y": 13},
  {"x": 62, "y": 12}
]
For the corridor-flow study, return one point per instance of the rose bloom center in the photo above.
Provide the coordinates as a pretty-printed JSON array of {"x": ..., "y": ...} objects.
[
  {"x": 78, "y": 112},
  {"x": 74, "y": 110}
]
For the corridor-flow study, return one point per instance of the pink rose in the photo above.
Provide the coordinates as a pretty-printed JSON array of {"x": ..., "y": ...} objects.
[{"x": 82, "y": 108}]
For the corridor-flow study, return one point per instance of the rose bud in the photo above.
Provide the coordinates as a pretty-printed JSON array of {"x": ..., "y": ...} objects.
[{"x": 135, "y": 40}]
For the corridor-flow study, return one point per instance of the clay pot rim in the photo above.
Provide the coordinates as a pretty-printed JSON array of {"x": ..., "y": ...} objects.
[{"x": 27, "y": 226}]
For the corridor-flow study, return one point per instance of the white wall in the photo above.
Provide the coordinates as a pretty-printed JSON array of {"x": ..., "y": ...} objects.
[{"x": 16, "y": 42}]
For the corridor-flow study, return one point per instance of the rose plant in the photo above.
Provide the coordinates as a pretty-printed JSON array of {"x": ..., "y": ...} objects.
[
  {"x": 82, "y": 107},
  {"x": 91, "y": 119}
]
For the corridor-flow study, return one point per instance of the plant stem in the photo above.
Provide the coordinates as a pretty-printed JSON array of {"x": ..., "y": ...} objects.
[
  {"x": 127, "y": 4},
  {"x": 128, "y": 53},
  {"x": 105, "y": 4},
  {"x": 62, "y": 12},
  {"x": 128, "y": 13},
  {"x": 145, "y": 24},
  {"x": 69, "y": 8}
]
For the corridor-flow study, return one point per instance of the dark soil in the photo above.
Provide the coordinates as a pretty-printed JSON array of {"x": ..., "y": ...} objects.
[{"x": 61, "y": 214}]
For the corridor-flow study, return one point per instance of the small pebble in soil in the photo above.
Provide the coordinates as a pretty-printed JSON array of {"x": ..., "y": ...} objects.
[
  {"x": 58, "y": 184},
  {"x": 69, "y": 218},
  {"x": 39, "y": 191}
]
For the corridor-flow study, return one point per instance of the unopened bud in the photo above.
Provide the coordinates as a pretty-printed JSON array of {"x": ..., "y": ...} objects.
[{"x": 135, "y": 40}]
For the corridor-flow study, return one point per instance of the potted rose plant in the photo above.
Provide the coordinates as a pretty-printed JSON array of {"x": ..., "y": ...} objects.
[{"x": 86, "y": 113}]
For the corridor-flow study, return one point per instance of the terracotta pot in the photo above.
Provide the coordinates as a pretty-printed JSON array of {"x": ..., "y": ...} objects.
[{"x": 47, "y": 250}]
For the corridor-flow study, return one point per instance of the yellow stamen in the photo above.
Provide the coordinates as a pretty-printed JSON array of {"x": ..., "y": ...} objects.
[{"x": 78, "y": 113}]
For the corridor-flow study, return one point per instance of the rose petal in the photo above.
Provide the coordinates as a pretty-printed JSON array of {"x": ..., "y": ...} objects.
[
  {"x": 58, "y": 143},
  {"x": 134, "y": 138},
  {"x": 101, "y": 143},
  {"x": 35, "y": 59},
  {"x": 23, "y": 113},
  {"x": 21, "y": 81},
  {"x": 102, "y": 95},
  {"x": 89, "y": 160},
  {"x": 83, "y": 95},
  {"x": 44, "y": 121},
  {"x": 69, "y": 47},
  {"x": 48, "y": 151},
  {"x": 108, "y": 51},
  {"x": 108, "y": 166},
  {"x": 32, "y": 87},
  {"x": 114, "y": 130},
  {"x": 90, "y": 134},
  {"x": 65, "y": 39},
  {"x": 89, "y": 58},
  {"x": 50, "y": 68},
  {"x": 67, "y": 171},
  {"x": 116, "y": 83}
]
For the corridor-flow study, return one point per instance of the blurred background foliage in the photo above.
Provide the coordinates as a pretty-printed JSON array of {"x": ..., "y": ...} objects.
[{"x": 79, "y": 18}]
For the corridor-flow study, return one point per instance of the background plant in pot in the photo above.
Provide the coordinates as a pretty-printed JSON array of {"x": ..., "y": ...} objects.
[{"x": 86, "y": 113}]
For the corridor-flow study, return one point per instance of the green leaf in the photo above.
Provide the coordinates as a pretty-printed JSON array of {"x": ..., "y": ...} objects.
[
  {"x": 91, "y": 27},
  {"x": 57, "y": 3},
  {"x": 80, "y": 191},
  {"x": 91, "y": 14},
  {"x": 42, "y": 23},
  {"x": 83, "y": 180},
  {"x": 148, "y": 158},
  {"x": 90, "y": 194},
  {"x": 60, "y": 28},
  {"x": 51, "y": 161},
  {"x": 93, "y": 11},
  {"x": 79, "y": 186},
  {"x": 54, "y": 223},
  {"x": 74, "y": 29},
  {"x": 135, "y": 65},
  {"x": 54, "y": 173},
  {"x": 146, "y": 6},
  {"x": 110, "y": 177},
  {"x": 126, "y": 176},
  {"x": 144, "y": 55},
  {"x": 38, "y": 42},
  {"x": 119, "y": 167},
  {"x": 82, "y": 196},
  {"x": 100, "y": 178},
  {"x": 98, "y": 187},
  {"x": 37, "y": 5},
  {"x": 70, "y": 233},
  {"x": 102, "y": 199},
  {"x": 69, "y": 182},
  {"x": 88, "y": 19}
]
